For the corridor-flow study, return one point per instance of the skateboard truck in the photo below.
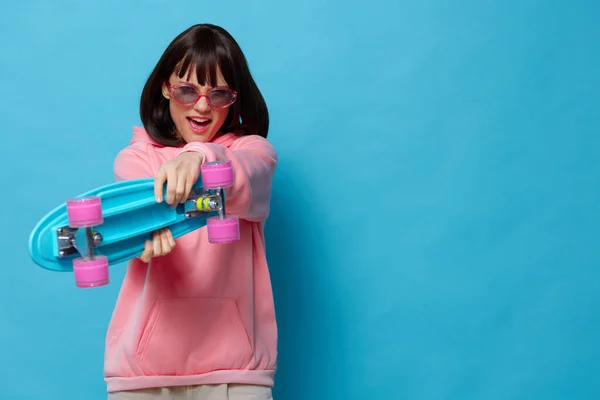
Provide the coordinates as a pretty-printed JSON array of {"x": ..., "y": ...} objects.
[
  {"x": 216, "y": 176},
  {"x": 67, "y": 240},
  {"x": 84, "y": 213},
  {"x": 91, "y": 270}
]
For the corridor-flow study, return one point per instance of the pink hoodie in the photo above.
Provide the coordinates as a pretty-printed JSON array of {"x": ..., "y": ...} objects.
[{"x": 204, "y": 313}]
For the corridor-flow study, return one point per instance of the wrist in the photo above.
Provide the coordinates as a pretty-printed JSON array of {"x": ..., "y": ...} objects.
[{"x": 196, "y": 155}]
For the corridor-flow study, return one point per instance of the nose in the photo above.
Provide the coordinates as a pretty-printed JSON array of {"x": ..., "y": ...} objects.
[{"x": 202, "y": 105}]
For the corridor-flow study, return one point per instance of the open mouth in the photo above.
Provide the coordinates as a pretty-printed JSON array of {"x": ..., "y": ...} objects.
[{"x": 199, "y": 124}]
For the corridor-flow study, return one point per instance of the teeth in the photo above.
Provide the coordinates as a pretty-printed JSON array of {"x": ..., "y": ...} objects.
[{"x": 200, "y": 119}]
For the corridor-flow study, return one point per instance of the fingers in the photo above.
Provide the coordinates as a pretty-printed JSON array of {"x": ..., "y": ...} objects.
[
  {"x": 156, "y": 244},
  {"x": 180, "y": 175},
  {"x": 167, "y": 240},
  {"x": 147, "y": 253},
  {"x": 165, "y": 244},
  {"x": 162, "y": 244},
  {"x": 179, "y": 186},
  {"x": 180, "y": 194},
  {"x": 170, "y": 237},
  {"x": 172, "y": 178},
  {"x": 176, "y": 183},
  {"x": 189, "y": 183},
  {"x": 159, "y": 182}
]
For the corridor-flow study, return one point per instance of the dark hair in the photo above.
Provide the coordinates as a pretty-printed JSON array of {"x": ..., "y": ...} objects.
[{"x": 206, "y": 47}]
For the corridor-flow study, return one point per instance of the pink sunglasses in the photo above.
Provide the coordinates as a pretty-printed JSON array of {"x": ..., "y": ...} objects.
[{"x": 187, "y": 95}]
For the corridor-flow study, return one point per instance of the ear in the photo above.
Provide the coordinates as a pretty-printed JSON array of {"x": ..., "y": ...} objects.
[{"x": 165, "y": 91}]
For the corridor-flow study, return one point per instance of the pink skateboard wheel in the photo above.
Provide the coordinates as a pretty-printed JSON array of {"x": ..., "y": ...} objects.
[
  {"x": 217, "y": 174},
  {"x": 92, "y": 272},
  {"x": 222, "y": 231},
  {"x": 84, "y": 212}
]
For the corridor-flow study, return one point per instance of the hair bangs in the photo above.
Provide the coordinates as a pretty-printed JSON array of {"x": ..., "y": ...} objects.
[{"x": 205, "y": 61}]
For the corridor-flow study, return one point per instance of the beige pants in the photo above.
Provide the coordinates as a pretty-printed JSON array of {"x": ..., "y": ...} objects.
[{"x": 202, "y": 392}]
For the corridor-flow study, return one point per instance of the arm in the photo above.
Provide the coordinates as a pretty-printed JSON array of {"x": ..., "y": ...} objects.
[
  {"x": 254, "y": 161},
  {"x": 129, "y": 164}
]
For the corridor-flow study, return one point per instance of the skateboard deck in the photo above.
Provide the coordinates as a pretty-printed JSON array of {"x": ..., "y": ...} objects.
[{"x": 110, "y": 224}]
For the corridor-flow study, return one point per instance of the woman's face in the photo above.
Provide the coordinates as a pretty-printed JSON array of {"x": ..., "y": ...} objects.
[{"x": 198, "y": 121}]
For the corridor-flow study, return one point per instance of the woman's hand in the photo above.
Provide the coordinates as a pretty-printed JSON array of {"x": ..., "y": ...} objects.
[
  {"x": 181, "y": 174},
  {"x": 162, "y": 243}
]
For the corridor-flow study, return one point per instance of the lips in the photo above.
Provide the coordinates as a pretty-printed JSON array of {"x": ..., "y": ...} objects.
[{"x": 199, "y": 125}]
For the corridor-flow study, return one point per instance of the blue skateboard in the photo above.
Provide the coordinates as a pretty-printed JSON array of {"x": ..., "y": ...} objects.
[{"x": 110, "y": 224}]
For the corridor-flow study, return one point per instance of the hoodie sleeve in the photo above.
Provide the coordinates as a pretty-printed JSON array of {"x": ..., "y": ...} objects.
[
  {"x": 254, "y": 160},
  {"x": 131, "y": 164}
]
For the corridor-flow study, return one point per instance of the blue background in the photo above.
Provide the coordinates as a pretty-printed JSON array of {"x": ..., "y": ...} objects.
[{"x": 435, "y": 221}]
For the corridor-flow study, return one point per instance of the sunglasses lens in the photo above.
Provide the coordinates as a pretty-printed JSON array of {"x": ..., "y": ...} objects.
[
  {"x": 221, "y": 98},
  {"x": 186, "y": 94}
]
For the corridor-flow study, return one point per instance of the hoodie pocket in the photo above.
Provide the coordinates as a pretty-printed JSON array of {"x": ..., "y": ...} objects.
[{"x": 189, "y": 336}]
